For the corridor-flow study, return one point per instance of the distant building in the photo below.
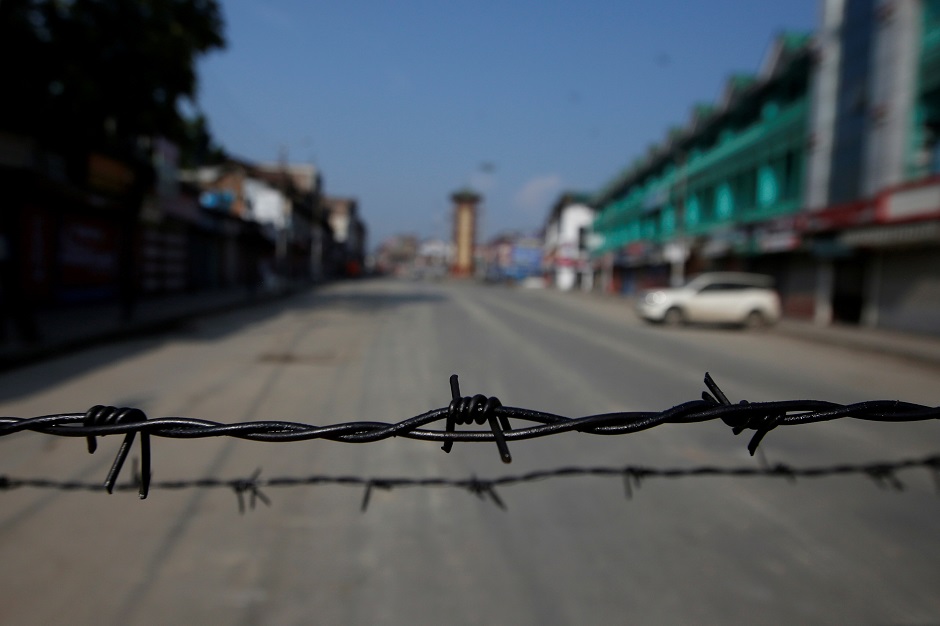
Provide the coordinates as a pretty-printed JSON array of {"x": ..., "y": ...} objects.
[
  {"x": 719, "y": 192},
  {"x": 397, "y": 255},
  {"x": 822, "y": 170},
  {"x": 510, "y": 257},
  {"x": 303, "y": 233},
  {"x": 494, "y": 258},
  {"x": 349, "y": 233},
  {"x": 283, "y": 200},
  {"x": 465, "y": 231},
  {"x": 434, "y": 258},
  {"x": 873, "y": 195},
  {"x": 566, "y": 242}
]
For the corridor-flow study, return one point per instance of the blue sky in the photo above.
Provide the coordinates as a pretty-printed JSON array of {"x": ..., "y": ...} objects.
[{"x": 401, "y": 103}]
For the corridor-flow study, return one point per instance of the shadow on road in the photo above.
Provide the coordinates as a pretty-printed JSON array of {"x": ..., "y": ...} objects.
[{"x": 340, "y": 298}]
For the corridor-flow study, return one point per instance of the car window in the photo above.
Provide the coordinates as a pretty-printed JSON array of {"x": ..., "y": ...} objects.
[{"x": 723, "y": 287}]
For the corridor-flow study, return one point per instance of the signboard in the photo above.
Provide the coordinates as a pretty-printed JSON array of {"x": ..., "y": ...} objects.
[
  {"x": 675, "y": 252},
  {"x": 842, "y": 216},
  {"x": 782, "y": 241},
  {"x": 109, "y": 175},
  {"x": 217, "y": 200},
  {"x": 913, "y": 202},
  {"x": 88, "y": 257},
  {"x": 524, "y": 261}
]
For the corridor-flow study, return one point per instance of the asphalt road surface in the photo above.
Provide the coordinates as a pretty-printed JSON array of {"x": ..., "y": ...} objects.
[{"x": 570, "y": 550}]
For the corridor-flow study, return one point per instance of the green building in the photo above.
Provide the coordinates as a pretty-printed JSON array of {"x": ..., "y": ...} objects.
[
  {"x": 719, "y": 193},
  {"x": 823, "y": 170}
]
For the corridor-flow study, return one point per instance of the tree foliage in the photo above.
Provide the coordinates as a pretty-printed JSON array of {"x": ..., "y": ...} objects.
[
  {"x": 196, "y": 144},
  {"x": 103, "y": 72}
]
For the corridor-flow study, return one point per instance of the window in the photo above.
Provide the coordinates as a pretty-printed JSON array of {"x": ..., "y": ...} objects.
[
  {"x": 582, "y": 238},
  {"x": 724, "y": 287}
]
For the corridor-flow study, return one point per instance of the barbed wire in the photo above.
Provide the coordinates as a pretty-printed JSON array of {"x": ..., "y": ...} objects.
[
  {"x": 883, "y": 473},
  {"x": 761, "y": 417}
]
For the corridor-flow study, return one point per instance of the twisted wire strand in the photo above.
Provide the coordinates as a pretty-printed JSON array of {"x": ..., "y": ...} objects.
[
  {"x": 760, "y": 417},
  {"x": 740, "y": 417},
  {"x": 882, "y": 473}
]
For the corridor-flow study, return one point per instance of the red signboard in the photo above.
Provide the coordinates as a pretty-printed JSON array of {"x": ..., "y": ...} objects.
[
  {"x": 88, "y": 252},
  {"x": 840, "y": 216}
]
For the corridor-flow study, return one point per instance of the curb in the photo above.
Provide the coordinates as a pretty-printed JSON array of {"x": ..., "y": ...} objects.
[{"x": 926, "y": 351}]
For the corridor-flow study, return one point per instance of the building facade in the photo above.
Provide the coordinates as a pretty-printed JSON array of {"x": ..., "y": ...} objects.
[
  {"x": 873, "y": 203},
  {"x": 272, "y": 219},
  {"x": 349, "y": 233},
  {"x": 721, "y": 192},
  {"x": 566, "y": 258},
  {"x": 823, "y": 170}
]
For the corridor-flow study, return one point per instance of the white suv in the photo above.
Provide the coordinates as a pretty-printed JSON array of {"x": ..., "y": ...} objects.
[{"x": 716, "y": 298}]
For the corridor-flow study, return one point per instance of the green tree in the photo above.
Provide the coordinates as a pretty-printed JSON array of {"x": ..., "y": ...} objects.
[
  {"x": 103, "y": 72},
  {"x": 196, "y": 144}
]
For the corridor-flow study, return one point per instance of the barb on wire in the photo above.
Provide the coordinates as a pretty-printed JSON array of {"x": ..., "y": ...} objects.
[
  {"x": 373, "y": 483},
  {"x": 104, "y": 415},
  {"x": 761, "y": 417},
  {"x": 883, "y": 473},
  {"x": 631, "y": 481},
  {"x": 250, "y": 486},
  {"x": 477, "y": 409}
]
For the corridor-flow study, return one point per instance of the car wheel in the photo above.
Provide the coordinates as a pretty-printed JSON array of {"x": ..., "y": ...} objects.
[
  {"x": 674, "y": 317},
  {"x": 755, "y": 320}
]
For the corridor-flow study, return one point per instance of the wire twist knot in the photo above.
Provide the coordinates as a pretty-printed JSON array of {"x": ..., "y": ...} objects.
[
  {"x": 761, "y": 424},
  {"x": 100, "y": 415},
  {"x": 479, "y": 409}
]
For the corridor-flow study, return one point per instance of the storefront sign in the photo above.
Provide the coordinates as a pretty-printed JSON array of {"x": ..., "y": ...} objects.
[
  {"x": 109, "y": 175},
  {"x": 217, "y": 200},
  {"x": 88, "y": 257},
  {"x": 675, "y": 252},
  {"x": 842, "y": 216},
  {"x": 783, "y": 241},
  {"x": 912, "y": 202}
]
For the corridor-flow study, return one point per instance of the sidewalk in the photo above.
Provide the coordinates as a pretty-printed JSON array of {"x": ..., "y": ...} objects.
[
  {"x": 62, "y": 330},
  {"x": 919, "y": 347}
]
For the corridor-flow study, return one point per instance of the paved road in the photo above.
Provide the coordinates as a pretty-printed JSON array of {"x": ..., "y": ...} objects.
[{"x": 567, "y": 551}]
